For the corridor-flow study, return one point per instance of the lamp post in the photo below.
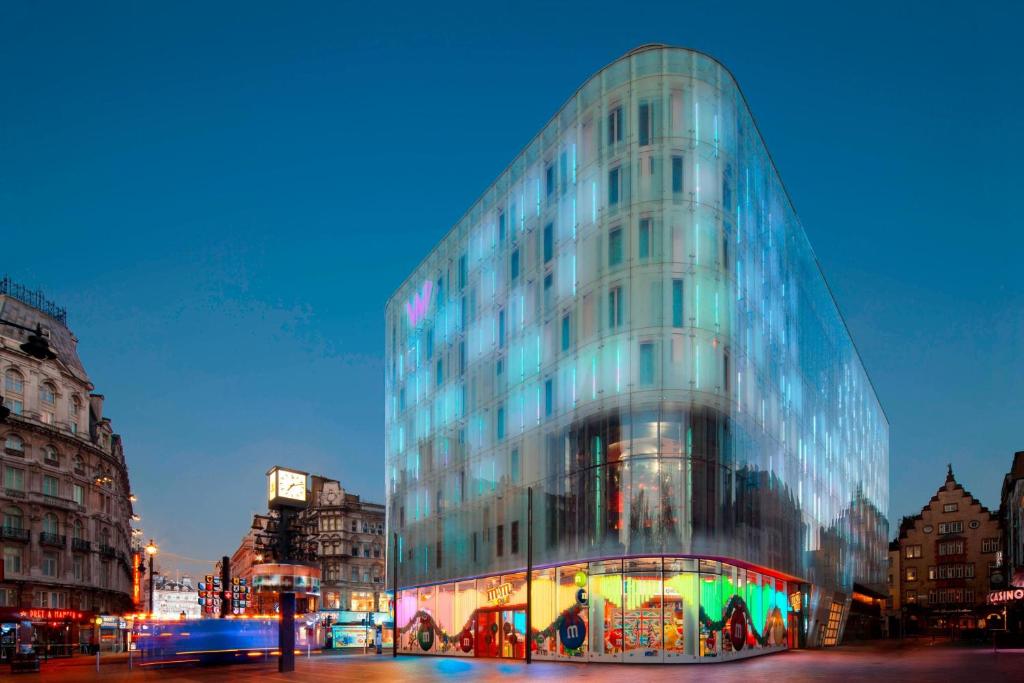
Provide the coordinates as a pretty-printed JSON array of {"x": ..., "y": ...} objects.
[{"x": 151, "y": 550}]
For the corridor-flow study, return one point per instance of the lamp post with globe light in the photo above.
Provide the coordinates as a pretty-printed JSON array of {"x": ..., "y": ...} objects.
[{"x": 151, "y": 549}]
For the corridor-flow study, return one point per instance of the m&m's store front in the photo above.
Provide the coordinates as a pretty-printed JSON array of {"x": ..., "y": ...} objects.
[{"x": 643, "y": 609}]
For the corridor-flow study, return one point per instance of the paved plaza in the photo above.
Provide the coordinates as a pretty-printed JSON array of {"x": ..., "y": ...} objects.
[{"x": 909, "y": 661}]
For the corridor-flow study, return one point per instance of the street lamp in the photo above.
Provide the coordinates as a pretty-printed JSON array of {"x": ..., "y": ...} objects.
[
  {"x": 151, "y": 550},
  {"x": 37, "y": 345}
]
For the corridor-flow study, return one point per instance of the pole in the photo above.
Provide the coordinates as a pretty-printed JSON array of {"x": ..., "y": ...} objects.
[
  {"x": 151, "y": 577},
  {"x": 286, "y": 633},
  {"x": 394, "y": 595},
  {"x": 529, "y": 574}
]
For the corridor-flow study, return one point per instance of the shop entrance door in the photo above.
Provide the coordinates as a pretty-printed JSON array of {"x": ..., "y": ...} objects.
[{"x": 501, "y": 633}]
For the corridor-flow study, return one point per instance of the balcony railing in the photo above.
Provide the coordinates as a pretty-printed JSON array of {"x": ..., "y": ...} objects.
[
  {"x": 81, "y": 544},
  {"x": 15, "y": 493},
  {"x": 108, "y": 551},
  {"x": 11, "y": 533},
  {"x": 14, "y": 451},
  {"x": 46, "y": 538}
]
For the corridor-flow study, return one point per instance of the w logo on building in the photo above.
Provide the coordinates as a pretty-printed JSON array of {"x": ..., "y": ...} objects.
[{"x": 417, "y": 307}]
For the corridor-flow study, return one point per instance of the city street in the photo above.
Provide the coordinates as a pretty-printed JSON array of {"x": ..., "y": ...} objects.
[{"x": 912, "y": 661}]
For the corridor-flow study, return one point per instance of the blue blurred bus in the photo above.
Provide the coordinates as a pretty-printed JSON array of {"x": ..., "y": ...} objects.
[{"x": 207, "y": 641}]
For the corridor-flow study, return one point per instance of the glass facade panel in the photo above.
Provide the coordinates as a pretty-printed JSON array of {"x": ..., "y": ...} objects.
[{"x": 690, "y": 391}]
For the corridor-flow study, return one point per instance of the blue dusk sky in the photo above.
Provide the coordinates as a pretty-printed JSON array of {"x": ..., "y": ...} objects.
[{"x": 224, "y": 195}]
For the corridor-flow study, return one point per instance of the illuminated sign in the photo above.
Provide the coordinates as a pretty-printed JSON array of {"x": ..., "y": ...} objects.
[
  {"x": 286, "y": 488},
  {"x": 417, "y": 307},
  {"x": 136, "y": 581},
  {"x": 1000, "y": 597},
  {"x": 47, "y": 614},
  {"x": 499, "y": 594}
]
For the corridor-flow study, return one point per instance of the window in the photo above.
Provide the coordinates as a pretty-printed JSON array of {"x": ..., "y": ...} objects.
[
  {"x": 615, "y": 317},
  {"x": 932, "y": 573},
  {"x": 14, "y": 478},
  {"x": 51, "y": 486},
  {"x": 500, "y": 423},
  {"x": 911, "y": 574},
  {"x": 514, "y": 268},
  {"x": 566, "y": 332},
  {"x": 514, "y": 537},
  {"x": 677, "y": 175},
  {"x": 501, "y": 329},
  {"x": 500, "y": 540},
  {"x": 13, "y": 442},
  {"x": 951, "y": 527},
  {"x": 549, "y": 241},
  {"x": 74, "y": 411},
  {"x": 615, "y": 247},
  {"x": 549, "y": 179},
  {"x": 14, "y": 405},
  {"x": 989, "y": 545},
  {"x": 646, "y": 364},
  {"x": 463, "y": 272},
  {"x": 614, "y": 186},
  {"x": 13, "y": 382},
  {"x": 47, "y": 393},
  {"x": 549, "y": 281},
  {"x": 501, "y": 226},
  {"x": 439, "y": 373},
  {"x": 438, "y": 554},
  {"x": 77, "y": 531},
  {"x": 950, "y": 507},
  {"x": 910, "y": 597},
  {"x": 50, "y": 455},
  {"x": 12, "y": 560},
  {"x": 615, "y": 125},
  {"x": 951, "y": 548},
  {"x": 355, "y": 551},
  {"x": 49, "y": 564},
  {"x": 50, "y": 524},
  {"x": 912, "y": 551},
  {"x": 645, "y": 238},
  {"x": 514, "y": 466},
  {"x": 549, "y": 398},
  {"x": 645, "y": 123},
  {"x": 677, "y": 303}
]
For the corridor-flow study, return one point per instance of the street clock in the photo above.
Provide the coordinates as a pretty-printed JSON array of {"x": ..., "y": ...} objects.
[{"x": 286, "y": 488}]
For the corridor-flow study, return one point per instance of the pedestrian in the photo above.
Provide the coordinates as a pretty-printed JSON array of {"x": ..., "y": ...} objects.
[{"x": 378, "y": 639}]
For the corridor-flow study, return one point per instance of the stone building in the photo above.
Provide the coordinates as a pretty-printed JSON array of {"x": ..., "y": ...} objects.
[
  {"x": 352, "y": 546},
  {"x": 65, "y": 498},
  {"x": 944, "y": 556},
  {"x": 350, "y": 543}
]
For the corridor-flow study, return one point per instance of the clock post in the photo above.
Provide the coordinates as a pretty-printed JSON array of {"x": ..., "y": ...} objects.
[{"x": 287, "y": 494}]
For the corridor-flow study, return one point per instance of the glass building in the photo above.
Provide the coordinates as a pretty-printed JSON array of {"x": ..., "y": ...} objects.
[{"x": 625, "y": 419}]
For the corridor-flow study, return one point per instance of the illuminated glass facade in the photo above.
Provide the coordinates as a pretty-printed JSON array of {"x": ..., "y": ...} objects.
[{"x": 631, "y": 323}]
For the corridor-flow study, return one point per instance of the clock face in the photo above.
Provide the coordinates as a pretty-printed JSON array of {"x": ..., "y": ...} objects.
[
  {"x": 291, "y": 485},
  {"x": 272, "y": 486}
]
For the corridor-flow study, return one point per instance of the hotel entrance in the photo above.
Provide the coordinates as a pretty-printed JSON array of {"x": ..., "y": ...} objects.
[{"x": 501, "y": 632}]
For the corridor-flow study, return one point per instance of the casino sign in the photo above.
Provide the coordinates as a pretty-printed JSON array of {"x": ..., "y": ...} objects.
[{"x": 1003, "y": 597}]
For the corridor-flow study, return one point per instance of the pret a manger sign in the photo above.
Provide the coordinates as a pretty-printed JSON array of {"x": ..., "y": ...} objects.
[{"x": 1001, "y": 597}]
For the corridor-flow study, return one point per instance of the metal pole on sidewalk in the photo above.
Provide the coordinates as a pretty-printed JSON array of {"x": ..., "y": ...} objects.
[
  {"x": 394, "y": 596},
  {"x": 529, "y": 574}
]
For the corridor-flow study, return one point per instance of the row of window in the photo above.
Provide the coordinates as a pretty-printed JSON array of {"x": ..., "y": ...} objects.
[
  {"x": 337, "y": 548},
  {"x": 951, "y": 547},
  {"x": 14, "y": 394},
  {"x": 333, "y": 572},
  {"x": 14, "y": 482},
  {"x": 943, "y": 571},
  {"x": 50, "y": 565},
  {"x": 337, "y": 523},
  {"x": 14, "y": 519},
  {"x": 15, "y": 445}
]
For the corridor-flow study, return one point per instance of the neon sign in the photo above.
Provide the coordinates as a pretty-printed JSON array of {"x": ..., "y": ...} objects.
[
  {"x": 417, "y": 307},
  {"x": 1000, "y": 597}
]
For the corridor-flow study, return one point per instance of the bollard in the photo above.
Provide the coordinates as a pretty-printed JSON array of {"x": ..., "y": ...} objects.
[{"x": 97, "y": 659}]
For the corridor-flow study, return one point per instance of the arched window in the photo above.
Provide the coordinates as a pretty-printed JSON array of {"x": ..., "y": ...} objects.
[
  {"x": 79, "y": 464},
  {"x": 13, "y": 442},
  {"x": 50, "y": 455},
  {"x": 47, "y": 393},
  {"x": 12, "y": 518},
  {"x": 74, "y": 413},
  {"x": 14, "y": 383},
  {"x": 105, "y": 537},
  {"x": 77, "y": 530},
  {"x": 51, "y": 525}
]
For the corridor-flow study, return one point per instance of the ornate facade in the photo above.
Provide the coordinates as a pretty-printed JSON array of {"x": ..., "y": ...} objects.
[{"x": 65, "y": 495}]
